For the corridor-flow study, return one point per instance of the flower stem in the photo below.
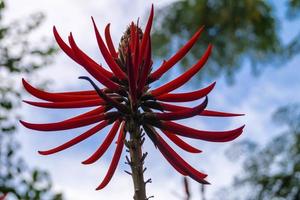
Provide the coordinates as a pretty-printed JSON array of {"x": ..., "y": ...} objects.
[{"x": 136, "y": 162}]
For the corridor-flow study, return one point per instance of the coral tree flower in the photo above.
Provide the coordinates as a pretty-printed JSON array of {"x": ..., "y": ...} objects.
[
  {"x": 127, "y": 96},
  {"x": 3, "y": 197}
]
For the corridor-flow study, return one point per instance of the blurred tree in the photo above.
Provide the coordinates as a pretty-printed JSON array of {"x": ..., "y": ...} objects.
[
  {"x": 239, "y": 30},
  {"x": 293, "y": 8},
  {"x": 272, "y": 171},
  {"x": 19, "y": 57}
]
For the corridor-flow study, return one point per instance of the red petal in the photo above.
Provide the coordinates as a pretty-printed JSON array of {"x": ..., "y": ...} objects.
[
  {"x": 209, "y": 113},
  {"x": 146, "y": 69},
  {"x": 131, "y": 76},
  {"x": 172, "y": 162},
  {"x": 109, "y": 42},
  {"x": 69, "y": 123},
  {"x": 181, "y": 163},
  {"x": 146, "y": 35},
  {"x": 104, "y": 146},
  {"x": 56, "y": 97},
  {"x": 181, "y": 143},
  {"x": 182, "y": 114},
  {"x": 212, "y": 136},
  {"x": 84, "y": 93},
  {"x": 64, "y": 46},
  {"x": 152, "y": 134},
  {"x": 212, "y": 113},
  {"x": 188, "y": 96},
  {"x": 94, "y": 112},
  {"x": 77, "y": 139},
  {"x": 3, "y": 197},
  {"x": 108, "y": 58},
  {"x": 115, "y": 160},
  {"x": 179, "y": 81},
  {"x": 178, "y": 56},
  {"x": 136, "y": 51},
  {"x": 91, "y": 67},
  {"x": 71, "y": 54},
  {"x": 68, "y": 104}
]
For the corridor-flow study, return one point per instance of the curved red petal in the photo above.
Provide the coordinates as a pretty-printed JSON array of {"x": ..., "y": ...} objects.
[
  {"x": 146, "y": 35},
  {"x": 104, "y": 146},
  {"x": 178, "y": 56},
  {"x": 64, "y": 46},
  {"x": 69, "y": 51},
  {"x": 146, "y": 68},
  {"x": 136, "y": 51},
  {"x": 3, "y": 196},
  {"x": 181, "y": 143},
  {"x": 108, "y": 58},
  {"x": 115, "y": 159},
  {"x": 209, "y": 113},
  {"x": 172, "y": 162},
  {"x": 181, "y": 163},
  {"x": 109, "y": 42},
  {"x": 69, "y": 123},
  {"x": 79, "y": 93},
  {"x": 152, "y": 134},
  {"x": 182, "y": 114},
  {"x": 76, "y": 140},
  {"x": 131, "y": 76},
  {"x": 91, "y": 67},
  {"x": 188, "y": 96},
  {"x": 212, "y": 113},
  {"x": 94, "y": 112},
  {"x": 179, "y": 81},
  {"x": 212, "y": 136},
  {"x": 56, "y": 97},
  {"x": 68, "y": 104}
]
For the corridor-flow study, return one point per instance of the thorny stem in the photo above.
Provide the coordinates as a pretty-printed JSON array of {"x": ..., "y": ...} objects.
[{"x": 136, "y": 160}]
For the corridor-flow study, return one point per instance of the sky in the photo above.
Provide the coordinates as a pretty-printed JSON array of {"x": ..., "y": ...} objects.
[{"x": 257, "y": 97}]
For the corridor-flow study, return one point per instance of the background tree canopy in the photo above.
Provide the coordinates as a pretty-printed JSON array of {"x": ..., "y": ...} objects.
[
  {"x": 244, "y": 30},
  {"x": 271, "y": 171},
  {"x": 19, "y": 57}
]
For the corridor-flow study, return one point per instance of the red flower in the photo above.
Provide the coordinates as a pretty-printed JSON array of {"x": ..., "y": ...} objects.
[
  {"x": 3, "y": 197},
  {"x": 127, "y": 97}
]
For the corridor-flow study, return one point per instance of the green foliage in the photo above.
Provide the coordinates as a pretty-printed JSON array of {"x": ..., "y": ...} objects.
[
  {"x": 239, "y": 30},
  {"x": 18, "y": 180},
  {"x": 273, "y": 171},
  {"x": 19, "y": 57}
]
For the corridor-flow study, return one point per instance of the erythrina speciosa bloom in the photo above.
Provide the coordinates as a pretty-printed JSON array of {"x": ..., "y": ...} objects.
[
  {"x": 129, "y": 103},
  {"x": 2, "y": 197}
]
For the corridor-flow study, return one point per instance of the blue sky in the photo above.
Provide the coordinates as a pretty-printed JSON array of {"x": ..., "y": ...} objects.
[{"x": 258, "y": 97}]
